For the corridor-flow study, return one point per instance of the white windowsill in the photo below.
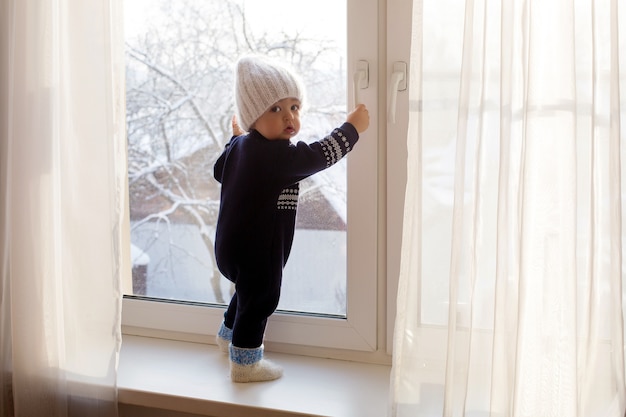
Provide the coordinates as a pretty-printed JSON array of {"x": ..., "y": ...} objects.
[{"x": 194, "y": 378}]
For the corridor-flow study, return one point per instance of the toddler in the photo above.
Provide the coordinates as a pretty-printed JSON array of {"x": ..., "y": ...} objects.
[{"x": 260, "y": 173}]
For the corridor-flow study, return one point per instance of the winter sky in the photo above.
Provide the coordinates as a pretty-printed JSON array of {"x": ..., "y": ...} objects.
[{"x": 324, "y": 19}]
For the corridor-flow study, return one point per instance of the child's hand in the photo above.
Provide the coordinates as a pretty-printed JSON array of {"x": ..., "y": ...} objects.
[
  {"x": 237, "y": 131},
  {"x": 359, "y": 118}
]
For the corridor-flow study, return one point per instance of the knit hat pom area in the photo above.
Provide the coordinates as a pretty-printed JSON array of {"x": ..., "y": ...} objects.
[{"x": 259, "y": 83}]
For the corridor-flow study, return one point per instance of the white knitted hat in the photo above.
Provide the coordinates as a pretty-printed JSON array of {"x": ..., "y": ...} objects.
[{"x": 259, "y": 83}]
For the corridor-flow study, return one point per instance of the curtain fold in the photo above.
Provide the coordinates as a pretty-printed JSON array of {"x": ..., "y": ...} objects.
[
  {"x": 62, "y": 184},
  {"x": 511, "y": 298}
]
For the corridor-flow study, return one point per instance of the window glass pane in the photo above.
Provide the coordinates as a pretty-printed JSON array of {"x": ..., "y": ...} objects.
[{"x": 180, "y": 56}]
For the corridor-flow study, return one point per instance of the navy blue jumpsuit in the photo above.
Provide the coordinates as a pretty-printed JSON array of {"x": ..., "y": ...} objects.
[{"x": 257, "y": 217}]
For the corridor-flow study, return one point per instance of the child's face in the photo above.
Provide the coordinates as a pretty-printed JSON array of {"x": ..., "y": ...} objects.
[{"x": 281, "y": 121}]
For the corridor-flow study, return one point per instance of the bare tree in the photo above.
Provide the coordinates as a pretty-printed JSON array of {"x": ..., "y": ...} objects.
[{"x": 179, "y": 106}]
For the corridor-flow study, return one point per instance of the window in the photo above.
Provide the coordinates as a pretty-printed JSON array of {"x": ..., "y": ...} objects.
[
  {"x": 439, "y": 69},
  {"x": 180, "y": 59}
]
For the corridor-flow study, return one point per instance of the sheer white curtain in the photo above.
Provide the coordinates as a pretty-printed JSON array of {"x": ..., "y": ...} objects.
[
  {"x": 61, "y": 183},
  {"x": 511, "y": 296}
]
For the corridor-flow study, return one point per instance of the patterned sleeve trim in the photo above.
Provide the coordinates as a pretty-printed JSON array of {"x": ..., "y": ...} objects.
[{"x": 335, "y": 146}]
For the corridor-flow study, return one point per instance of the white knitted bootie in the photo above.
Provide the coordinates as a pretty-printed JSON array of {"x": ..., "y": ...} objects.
[
  {"x": 248, "y": 365},
  {"x": 223, "y": 338}
]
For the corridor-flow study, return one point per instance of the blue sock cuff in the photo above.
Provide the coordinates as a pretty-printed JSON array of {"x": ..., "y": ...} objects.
[
  {"x": 245, "y": 356},
  {"x": 225, "y": 333}
]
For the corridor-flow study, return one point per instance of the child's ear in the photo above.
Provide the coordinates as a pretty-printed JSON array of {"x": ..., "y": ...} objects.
[{"x": 237, "y": 130}]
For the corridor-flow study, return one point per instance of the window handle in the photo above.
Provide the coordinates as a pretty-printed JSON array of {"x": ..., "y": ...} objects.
[
  {"x": 361, "y": 80},
  {"x": 397, "y": 83}
]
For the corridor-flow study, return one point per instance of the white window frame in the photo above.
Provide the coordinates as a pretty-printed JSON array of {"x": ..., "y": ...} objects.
[
  {"x": 399, "y": 22},
  {"x": 365, "y": 329}
]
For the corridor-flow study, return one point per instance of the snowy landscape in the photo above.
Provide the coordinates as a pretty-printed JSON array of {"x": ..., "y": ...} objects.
[{"x": 180, "y": 59}]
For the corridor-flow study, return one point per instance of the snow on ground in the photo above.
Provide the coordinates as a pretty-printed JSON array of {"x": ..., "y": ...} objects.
[{"x": 181, "y": 268}]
